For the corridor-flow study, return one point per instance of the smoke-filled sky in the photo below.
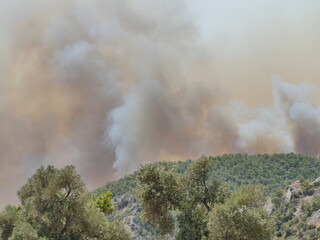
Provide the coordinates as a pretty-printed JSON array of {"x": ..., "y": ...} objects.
[{"x": 109, "y": 84}]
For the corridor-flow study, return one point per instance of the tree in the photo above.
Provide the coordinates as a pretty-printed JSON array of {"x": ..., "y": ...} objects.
[
  {"x": 200, "y": 194},
  {"x": 8, "y": 218},
  {"x": 56, "y": 205},
  {"x": 24, "y": 231},
  {"x": 203, "y": 209},
  {"x": 240, "y": 217},
  {"x": 104, "y": 202},
  {"x": 160, "y": 193},
  {"x": 190, "y": 195}
]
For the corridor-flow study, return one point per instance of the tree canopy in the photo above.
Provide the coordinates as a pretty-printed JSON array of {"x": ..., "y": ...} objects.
[
  {"x": 56, "y": 205},
  {"x": 199, "y": 204},
  {"x": 240, "y": 217},
  {"x": 104, "y": 202}
]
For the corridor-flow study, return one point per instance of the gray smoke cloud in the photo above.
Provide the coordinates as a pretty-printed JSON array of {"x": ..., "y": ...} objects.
[
  {"x": 290, "y": 125},
  {"x": 108, "y": 85},
  {"x": 67, "y": 67}
]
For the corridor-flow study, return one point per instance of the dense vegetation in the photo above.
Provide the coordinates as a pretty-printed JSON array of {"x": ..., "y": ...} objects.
[
  {"x": 204, "y": 209},
  {"x": 275, "y": 171},
  {"x": 186, "y": 200},
  {"x": 298, "y": 216},
  {"x": 55, "y": 205}
]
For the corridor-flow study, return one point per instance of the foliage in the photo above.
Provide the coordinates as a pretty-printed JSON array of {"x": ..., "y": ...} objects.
[
  {"x": 104, "y": 202},
  {"x": 311, "y": 206},
  {"x": 198, "y": 187},
  {"x": 204, "y": 209},
  {"x": 116, "y": 231},
  {"x": 128, "y": 184},
  {"x": 8, "y": 218},
  {"x": 160, "y": 193},
  {"x": 275, "y": 172},
  {"x": 55, "y": 205},
  {"x": 200, "y": 194},
  {"x": 240, "y": 217},
  {"x": 294, "y": 218},
  {"x": 24, "y": 231}
]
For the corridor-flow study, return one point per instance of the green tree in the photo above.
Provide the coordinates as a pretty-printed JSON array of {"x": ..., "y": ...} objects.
[
  {"x": 56, "y": 205},
  {"x": 8, "y": 218},
  {"x": 24, "y": 231},
  {"x": 191, "y": 195},
  {"x": 200, "y": 193},
  {"x": 203, "y": 209},
  {"x": 104, "y": 202},
  {"x": 240, "y": 217},
  {"x": 160, "y": 193}
]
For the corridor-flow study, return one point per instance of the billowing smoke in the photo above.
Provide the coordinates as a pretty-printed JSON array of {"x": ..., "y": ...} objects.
[
  {"x": 290, "y": 125},
  {"x": 108, "y": 85},
  {"x": 150, "y": 126},
  {"x": 83, "y": 81}
]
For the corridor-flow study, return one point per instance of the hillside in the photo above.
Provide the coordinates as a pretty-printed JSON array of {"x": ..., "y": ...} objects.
[
  {"x": 276, "y": 172},
  {"x": 273, "y": 171},
  {"x": 297, "y": 211}
]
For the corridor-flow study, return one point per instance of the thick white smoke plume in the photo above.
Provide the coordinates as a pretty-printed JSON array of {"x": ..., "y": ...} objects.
[
  {"x": 290, "y": 125},
  {"x": 149, "y": 126},
  {"x": 107, "y": 85}
]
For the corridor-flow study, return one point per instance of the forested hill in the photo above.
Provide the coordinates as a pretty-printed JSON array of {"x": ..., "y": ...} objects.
[{"x": 275, "y": 171}]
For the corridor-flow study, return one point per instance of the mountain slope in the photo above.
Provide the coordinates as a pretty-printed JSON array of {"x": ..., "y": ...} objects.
[
  {"x": 276, "y": 172},
  {"x": 297, "y": 211}
]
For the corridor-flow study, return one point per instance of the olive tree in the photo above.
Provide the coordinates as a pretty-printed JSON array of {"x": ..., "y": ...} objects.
[
  {"x": 240, "y": 217},
  {"x": 189, "y": 197},
  {"x": 196, "y": 206},
  {"x": 56, "y": 205}
]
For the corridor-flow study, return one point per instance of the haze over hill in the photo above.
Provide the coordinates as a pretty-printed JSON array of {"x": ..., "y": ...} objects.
[{"x": 107, "y": 85}]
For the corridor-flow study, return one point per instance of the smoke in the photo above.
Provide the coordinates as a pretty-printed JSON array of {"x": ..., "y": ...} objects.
[
  {"x": 108, "y": 85},
  {"x": 290, "y": 125},
  {"x": 67, "y": 67}
]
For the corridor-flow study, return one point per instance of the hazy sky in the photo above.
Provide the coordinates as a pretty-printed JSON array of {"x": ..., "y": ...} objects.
[
  {"x": 108, "y": 85},
  {"x": 253, "y": 40}
]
